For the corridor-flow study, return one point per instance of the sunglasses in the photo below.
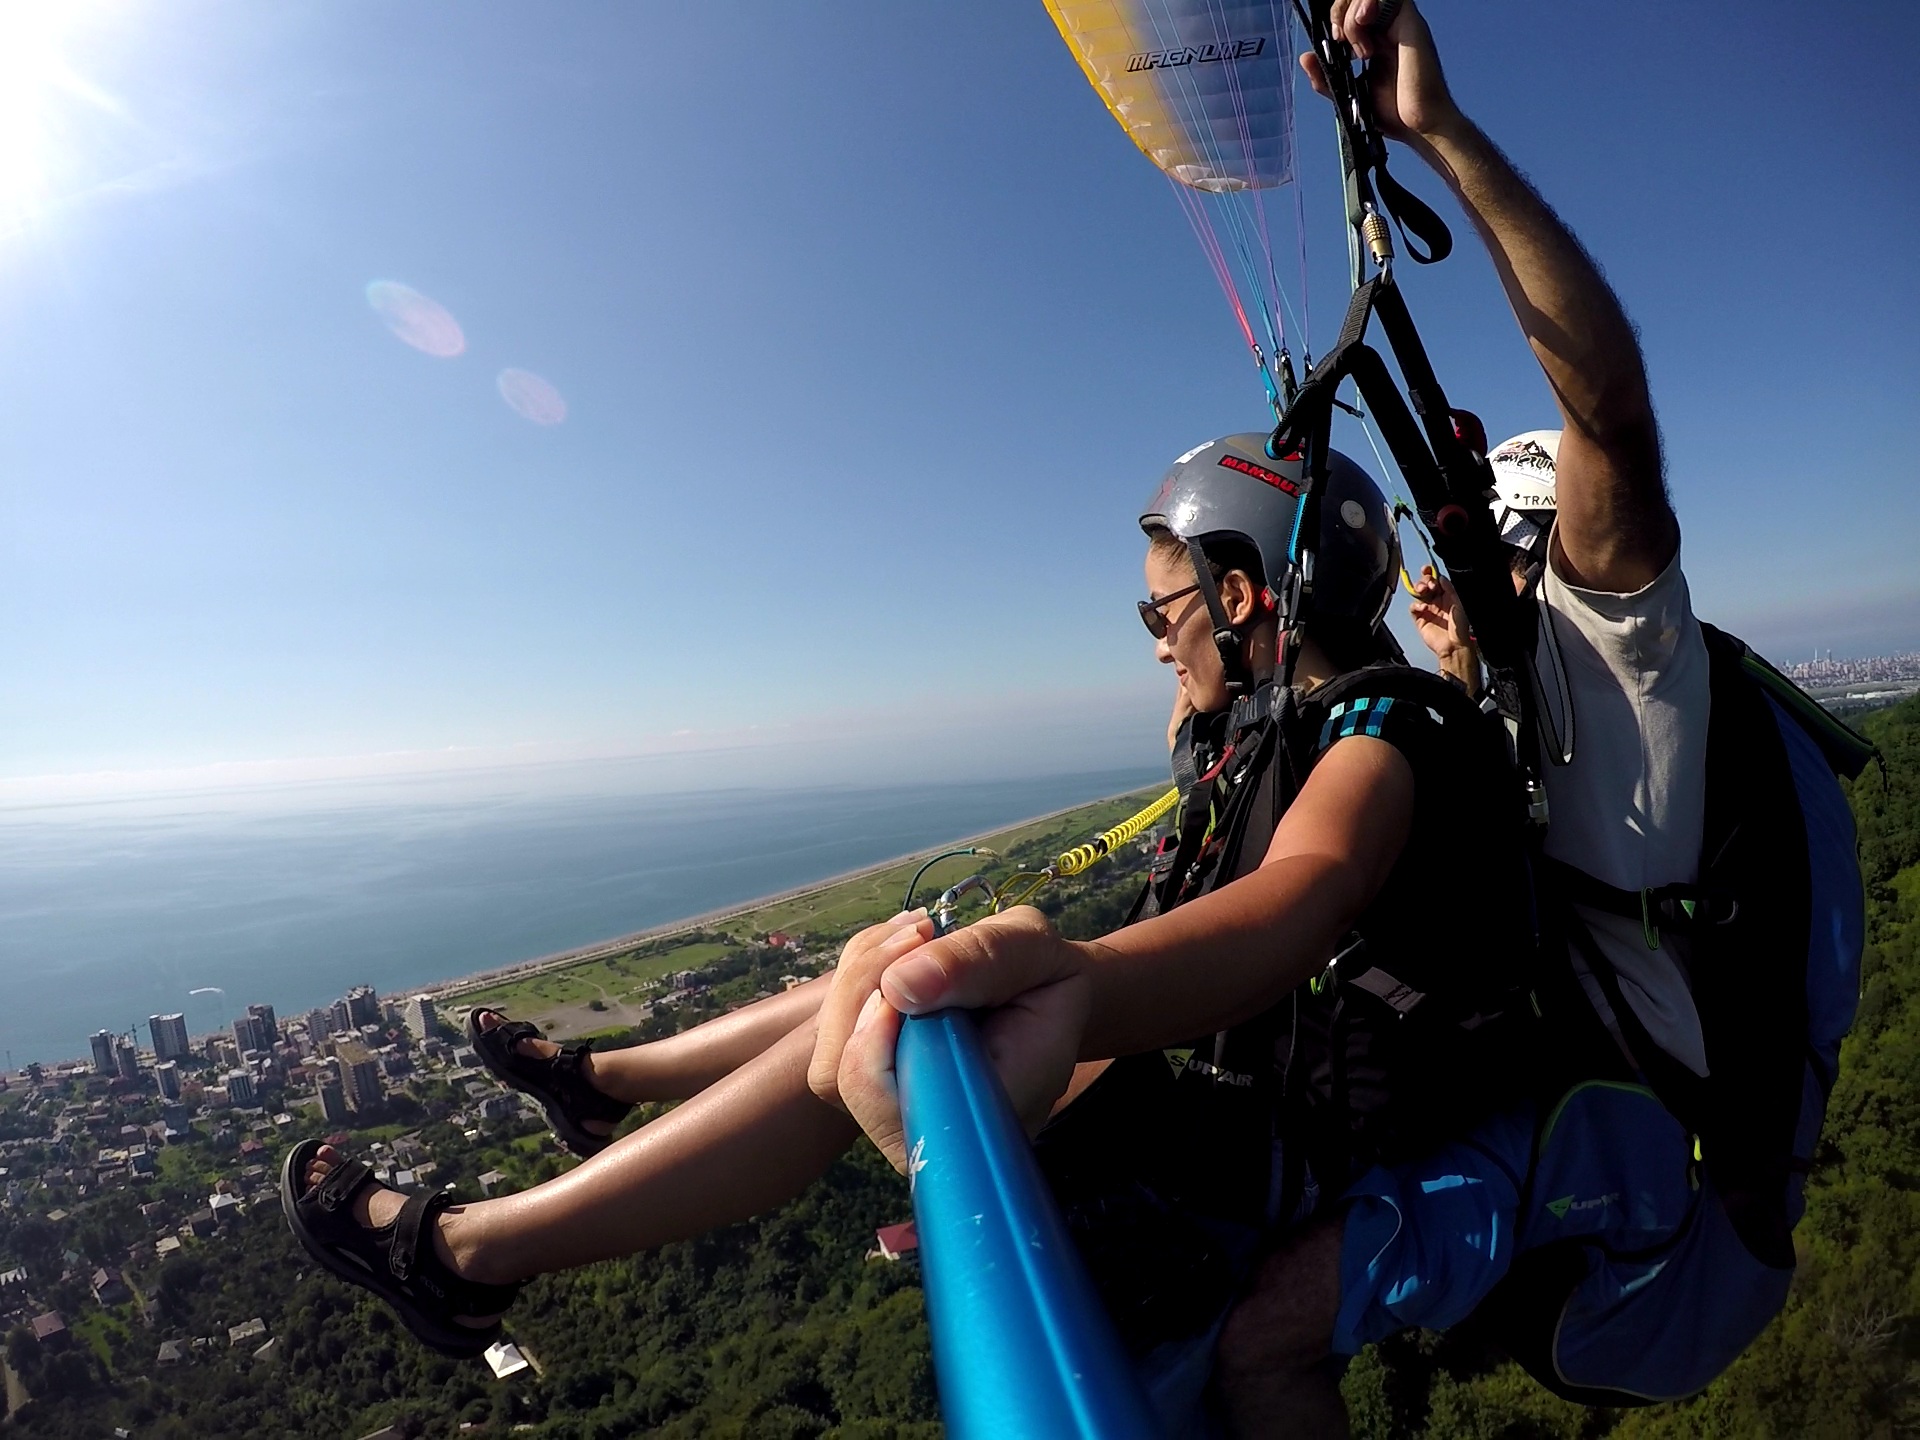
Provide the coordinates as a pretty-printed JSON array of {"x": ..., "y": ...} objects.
[{"x": 1152, "y": 614}]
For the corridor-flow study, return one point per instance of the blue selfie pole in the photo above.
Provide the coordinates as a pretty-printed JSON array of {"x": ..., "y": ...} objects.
[{"x": 1021, "y": 1344}]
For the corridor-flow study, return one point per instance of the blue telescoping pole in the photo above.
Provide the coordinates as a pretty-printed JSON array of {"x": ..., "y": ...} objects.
[{"x": 1021, "y": 1344}]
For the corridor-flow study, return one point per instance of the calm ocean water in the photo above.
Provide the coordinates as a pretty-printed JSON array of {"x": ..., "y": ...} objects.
[{"x": 111, "y": 913}]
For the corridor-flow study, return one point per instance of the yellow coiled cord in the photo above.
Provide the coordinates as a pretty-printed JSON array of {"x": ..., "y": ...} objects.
[
  {"x": 1404, "y": 511},
  {"x": 1073, "y": 861},
  {"x": 1080, "y": 857}
]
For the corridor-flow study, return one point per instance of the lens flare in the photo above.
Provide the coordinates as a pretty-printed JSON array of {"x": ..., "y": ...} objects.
[
  {"x": 531, "y": 398},
  {"x": 421, "y": 322}
]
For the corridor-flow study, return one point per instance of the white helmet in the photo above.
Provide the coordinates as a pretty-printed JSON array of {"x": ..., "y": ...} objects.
[{"x": 1524, "y": 502}]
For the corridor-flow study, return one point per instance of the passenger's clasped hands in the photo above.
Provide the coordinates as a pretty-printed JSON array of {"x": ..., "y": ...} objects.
[{"x": 1026, "y": 982}]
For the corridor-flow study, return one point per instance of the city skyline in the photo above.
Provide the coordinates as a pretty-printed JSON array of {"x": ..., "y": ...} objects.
[
  {"x": 1895, "y": 665},
  {"x": 169, "y": 1040}
]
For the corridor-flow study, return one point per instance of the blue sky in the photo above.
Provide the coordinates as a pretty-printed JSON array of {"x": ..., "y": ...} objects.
[{"x": 873, "y": 331}]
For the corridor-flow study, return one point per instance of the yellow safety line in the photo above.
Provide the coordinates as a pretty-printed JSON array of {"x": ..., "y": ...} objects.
[{"x": 1073, "y": 861}]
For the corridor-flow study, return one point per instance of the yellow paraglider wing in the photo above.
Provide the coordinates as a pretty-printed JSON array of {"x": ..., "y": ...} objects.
[{"x": 1203, "y": 87}]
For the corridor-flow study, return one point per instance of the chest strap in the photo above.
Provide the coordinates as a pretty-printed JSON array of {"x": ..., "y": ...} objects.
[{"x": 1679, "y": 909}]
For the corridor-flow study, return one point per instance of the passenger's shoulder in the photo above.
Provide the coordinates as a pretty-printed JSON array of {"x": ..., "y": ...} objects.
[{"x": 1404, "y": 716}]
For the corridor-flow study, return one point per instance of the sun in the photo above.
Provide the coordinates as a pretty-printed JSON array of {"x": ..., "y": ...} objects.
[{"x": 42, "y": 99}]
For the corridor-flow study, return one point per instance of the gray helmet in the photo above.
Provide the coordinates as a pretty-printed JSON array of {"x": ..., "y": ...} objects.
[{"x": 1230, "y": 489}]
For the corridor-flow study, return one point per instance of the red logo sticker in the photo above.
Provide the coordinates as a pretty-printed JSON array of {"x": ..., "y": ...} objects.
[{"x": 1260, "y": 472}]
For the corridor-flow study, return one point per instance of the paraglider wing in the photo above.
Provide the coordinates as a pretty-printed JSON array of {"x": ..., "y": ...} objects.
[{"x": 1203, "y": 87}]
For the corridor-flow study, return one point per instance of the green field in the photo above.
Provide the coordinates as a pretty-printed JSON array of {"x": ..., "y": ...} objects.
[
  {"x": 562, "y": 996},
  {"x": 612, "y": 979}
]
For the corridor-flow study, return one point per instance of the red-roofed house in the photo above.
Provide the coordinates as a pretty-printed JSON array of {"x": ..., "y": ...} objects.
[{"x": 895, "y": 1242}]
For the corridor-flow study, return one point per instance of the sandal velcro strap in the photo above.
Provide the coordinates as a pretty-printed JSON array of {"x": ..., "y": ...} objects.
[
  {"x": 410, "y": 1256},
  {"x": 343, "y": 1182},
  {"x": 507, "y": 1037},
  {"x": 404, "y": 1252},
  {"x": 396, "y": 1261},
  {"x": 586, "y": 1103},
  {"x": 559, "y": 1082}
]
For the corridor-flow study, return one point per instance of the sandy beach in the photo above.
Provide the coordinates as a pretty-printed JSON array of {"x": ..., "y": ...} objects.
[{"x": 486, "y": 979}]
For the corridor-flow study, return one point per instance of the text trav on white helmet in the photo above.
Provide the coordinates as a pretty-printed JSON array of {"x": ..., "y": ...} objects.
[{"x": 1523, "y": 473}]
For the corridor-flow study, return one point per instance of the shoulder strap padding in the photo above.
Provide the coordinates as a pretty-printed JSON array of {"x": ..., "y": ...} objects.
[
  {"x": 1398, "y": 682},
  {"x": 1846, "y": 750},
  {"x": 1749, "y": 974}
]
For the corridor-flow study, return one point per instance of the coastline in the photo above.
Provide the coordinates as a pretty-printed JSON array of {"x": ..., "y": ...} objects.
[
  {"x": 449, "y": 990},
  {"x": 829, "y": 906}
]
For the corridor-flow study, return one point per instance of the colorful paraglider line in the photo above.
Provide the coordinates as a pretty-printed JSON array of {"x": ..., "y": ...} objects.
[{"x": 1205, "y": 89}]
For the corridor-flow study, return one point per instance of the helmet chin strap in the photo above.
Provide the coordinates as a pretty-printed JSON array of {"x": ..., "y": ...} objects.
[{"x": 1227, "y": 639}]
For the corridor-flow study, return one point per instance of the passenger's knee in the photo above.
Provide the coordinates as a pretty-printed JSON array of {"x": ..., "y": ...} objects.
[
  {"x": 1264, "y": 1341},
  {"x": 1284, "y": 1324}
]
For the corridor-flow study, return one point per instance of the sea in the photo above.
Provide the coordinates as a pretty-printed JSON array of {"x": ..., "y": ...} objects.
[{"x": 111, "y": 912}]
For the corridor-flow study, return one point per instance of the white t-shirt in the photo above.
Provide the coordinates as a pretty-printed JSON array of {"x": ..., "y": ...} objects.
[{"x": 1629, "y": 806}]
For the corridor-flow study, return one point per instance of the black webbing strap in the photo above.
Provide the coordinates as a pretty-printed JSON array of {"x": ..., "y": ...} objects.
[
  {"x": 1195, "y": 817},
  {"x": 1679, "y": 909},
  {"x": 1254, "y": 760},
  {"x": 1449, "y": 481},
  {"x": 1414, "y": 216},
  {"x": 410, "y": 1257},
  {"x": 1684, "y": 1093},
  {"x": 404, "y": 1253},
  {"x": 1185, "y": 766},
  {"x": 1255, "y": 723},
  {"x": 340, "y": 1184},
  {"x": 1363, "y": 151},
  {"x": 1140, "y": 901},
  {"x": 1226, "y": 639}
]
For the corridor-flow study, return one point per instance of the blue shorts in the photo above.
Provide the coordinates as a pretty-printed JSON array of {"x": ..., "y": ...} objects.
[{"x": 1426, "y": 1241}]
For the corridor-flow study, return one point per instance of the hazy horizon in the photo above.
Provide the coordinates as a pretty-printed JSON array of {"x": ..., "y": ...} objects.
[
  {"x": 117, "y": 910},
  {"x": 929, "y": 741},
  {"x": 440, "y": 380}
]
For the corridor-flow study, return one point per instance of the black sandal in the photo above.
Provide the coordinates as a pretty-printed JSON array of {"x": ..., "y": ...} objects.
[
  {"x": 395, "y": 1261},
  {"x": 558, "y": 1082}
]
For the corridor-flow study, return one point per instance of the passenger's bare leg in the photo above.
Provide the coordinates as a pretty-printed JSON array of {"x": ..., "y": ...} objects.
[
  {"x": 1271, "y": 1364},
  {"x": 744, "y": 1145},
  {"x": 681, "y": 1066}
]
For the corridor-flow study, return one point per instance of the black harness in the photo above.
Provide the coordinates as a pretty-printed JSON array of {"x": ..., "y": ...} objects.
[{"x": 1167, "y": 1168}]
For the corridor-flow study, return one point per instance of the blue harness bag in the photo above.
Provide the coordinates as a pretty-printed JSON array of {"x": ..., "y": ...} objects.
[{"x": 1654, "y": 1238}]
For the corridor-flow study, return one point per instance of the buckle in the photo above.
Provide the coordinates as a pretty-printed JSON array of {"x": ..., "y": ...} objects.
[
  {"x": 1252, "y": 709},
  {"x": 1682, "y": 908}
]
